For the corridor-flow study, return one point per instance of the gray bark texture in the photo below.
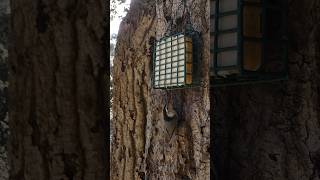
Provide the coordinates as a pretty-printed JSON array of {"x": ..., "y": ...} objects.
[
  {"x": 272, "y": 131},
  {"x": 4, "y": 129},
  {"x": 57, "y": 91},
  {"x": 142, "y": 147}
]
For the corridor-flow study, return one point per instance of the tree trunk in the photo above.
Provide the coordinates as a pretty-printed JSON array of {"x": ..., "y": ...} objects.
[
  {"x": 4, "y": 23},
  {"x": 142, "y": 147},
  {"x": 57, "y": 90},
  {"x": 272, "y": 131}
]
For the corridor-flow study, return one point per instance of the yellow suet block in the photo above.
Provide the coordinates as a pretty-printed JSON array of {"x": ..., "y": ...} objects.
[
  {"x": 252, "y": 21},
  {"x": 252, "y": 56}
]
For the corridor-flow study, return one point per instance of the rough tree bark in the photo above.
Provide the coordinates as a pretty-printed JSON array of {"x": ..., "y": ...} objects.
[
  {"x": 272, "y": 131},
  {"x": 141, "y": 147},
  {"x": 57, "y": 66},
  {"x": 4, "y": 23}
]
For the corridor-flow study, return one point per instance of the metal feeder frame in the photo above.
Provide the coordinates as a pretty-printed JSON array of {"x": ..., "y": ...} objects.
[
  {"x": 246, "y": 77},
  {"x": 196, "y": 60}
]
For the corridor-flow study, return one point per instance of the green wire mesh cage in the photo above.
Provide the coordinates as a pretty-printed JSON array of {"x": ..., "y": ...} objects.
[
  {"x": 248, "y": 41},
  {"x": 176, "y": 61}
]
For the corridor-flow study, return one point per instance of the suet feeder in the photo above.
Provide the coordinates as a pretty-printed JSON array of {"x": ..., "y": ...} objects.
[
  {"x": 176, "y": 60},
  {"x": 248, "y": 41}
]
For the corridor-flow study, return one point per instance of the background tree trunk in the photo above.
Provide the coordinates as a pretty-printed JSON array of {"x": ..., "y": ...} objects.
[
  {"x": 57, "y": 66},
  {"x": 4, "y": 23},
  {"x": 142, "y": 148},
  {"x": 272, "y": 131}
]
